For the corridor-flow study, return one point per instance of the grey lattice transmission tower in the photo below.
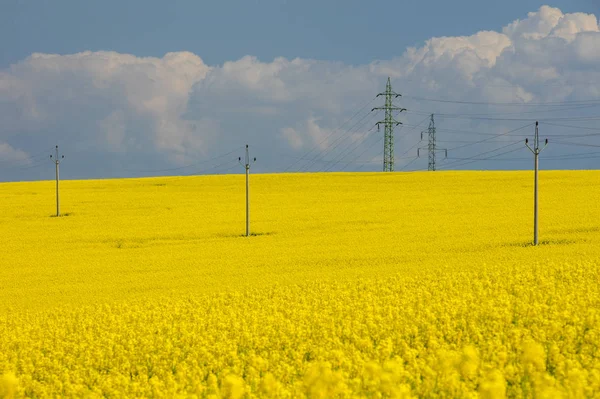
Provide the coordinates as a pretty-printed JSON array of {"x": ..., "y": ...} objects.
[
  {"x": 431, "y": 146},
  {"x": 389, "y": 124}
]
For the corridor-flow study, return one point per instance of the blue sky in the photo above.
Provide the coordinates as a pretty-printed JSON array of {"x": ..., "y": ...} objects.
[
  {"x": 351, "y": 31},
  {"x": 132, "y": 88}
]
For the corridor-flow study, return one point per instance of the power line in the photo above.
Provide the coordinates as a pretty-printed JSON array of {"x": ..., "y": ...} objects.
[
  {"x": 491, "y": 114},
  {"x": 576, "y": 159},
  {"x": 185, "y": 166},
  {"x": 483, "y": 153},
  {"x": 32, "y": 161},
  {"x": 516, "y": 104},
  {"x": 572, "y": 156},
  {"x": 405, "y": 132},
  {"x": 417, "y": 143},
  {"x": 490, "y": 138},
  {"x": 411, "y": 148},
  {"x": 342, "y": 142},
  {"x": 493, "y": 157},
  {"x": 458, "y": 116},
  {"x": 353, "y": 144},
  {"x": 325, "y": 161},
  {"x": 232, "y": 164},
  {"x": 358, "y": 144},
  {"x": 561, "y": 84},
  {"x": 204, "y": 172},
  {"x": 43, "y": 153},
  {"x": 490, "y": 158},
  {"x": 27, "y": 167},
  {"x": 364, "y": 152},
  {"x": 404, "y": 153},
  {"x": 339, "y": 141},
  {"x": 413, "y": 127},
  {"x": 566, "y": 157},
  {"x": 329, "y": 135},
  {"x": 526, "y": 112},
  {"x": 372, "y": 160},
  {"x": 571, "y": 126},
  {"x": 575, "y": 144},
  {"x": 465, "y": 132},
  {"x": 408, "y": 164}
]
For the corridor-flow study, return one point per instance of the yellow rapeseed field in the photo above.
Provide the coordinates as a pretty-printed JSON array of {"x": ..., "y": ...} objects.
[{"x": 354, "y": 285}]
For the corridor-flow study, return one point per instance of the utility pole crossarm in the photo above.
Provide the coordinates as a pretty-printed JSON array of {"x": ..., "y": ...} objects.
[{"x": 539, "y": 149}]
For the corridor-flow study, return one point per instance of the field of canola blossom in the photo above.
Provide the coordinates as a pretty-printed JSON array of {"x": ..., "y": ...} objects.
[{"x": 354, "y": 285}]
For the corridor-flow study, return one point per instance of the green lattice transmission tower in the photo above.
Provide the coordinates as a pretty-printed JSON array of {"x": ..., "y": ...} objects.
[{"x": 389, "y": 124}]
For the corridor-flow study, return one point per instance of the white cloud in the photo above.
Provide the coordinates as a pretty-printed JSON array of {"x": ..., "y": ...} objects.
[
  {"x": 537, "y": 25},
  {"x": 293, "y": 137},
  {"x": 176, "y": 106},
  {"x": 114, "y": 128},
  {"x": 10, "y": 154},
  {"x": 310, "y": 134},
  {"x": 111, "y": 91},
  {"x": 551, "y": 22}
]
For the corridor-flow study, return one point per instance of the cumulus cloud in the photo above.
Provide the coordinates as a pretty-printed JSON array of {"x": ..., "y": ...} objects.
[
  {"x": 177, "y": 108},
  {"x": 550, "y": 22},
  {"x": 309, "y": 133},
  {"x": 121, "y": 101},
  {"x": 10, "y": 154}
]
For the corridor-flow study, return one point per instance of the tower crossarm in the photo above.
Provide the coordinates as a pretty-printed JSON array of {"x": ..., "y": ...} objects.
[
  {"x": 392, "y": 94},
  {"x": 428, "y": 149},
  {"x": 393, "y": 122},
  {"x": 391, "y": 108}
]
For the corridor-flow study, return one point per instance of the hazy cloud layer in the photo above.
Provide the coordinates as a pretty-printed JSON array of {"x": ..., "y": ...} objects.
[{"x": 118, "y": 114}]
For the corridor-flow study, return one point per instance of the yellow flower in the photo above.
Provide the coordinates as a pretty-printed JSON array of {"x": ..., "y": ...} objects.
[
  {"x": 8, "y": 385},
  {"x": 148, "y": 288},
  {"x": 534, "y": 355},
  {"x": 493, "y": 386}
]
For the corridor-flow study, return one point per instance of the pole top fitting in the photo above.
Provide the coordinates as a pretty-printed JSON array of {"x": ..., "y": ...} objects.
[{"x": 537, "y": 123}]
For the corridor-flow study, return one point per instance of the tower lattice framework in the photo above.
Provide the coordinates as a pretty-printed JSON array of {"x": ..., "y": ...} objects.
[{"x": 389, "y": 124}]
